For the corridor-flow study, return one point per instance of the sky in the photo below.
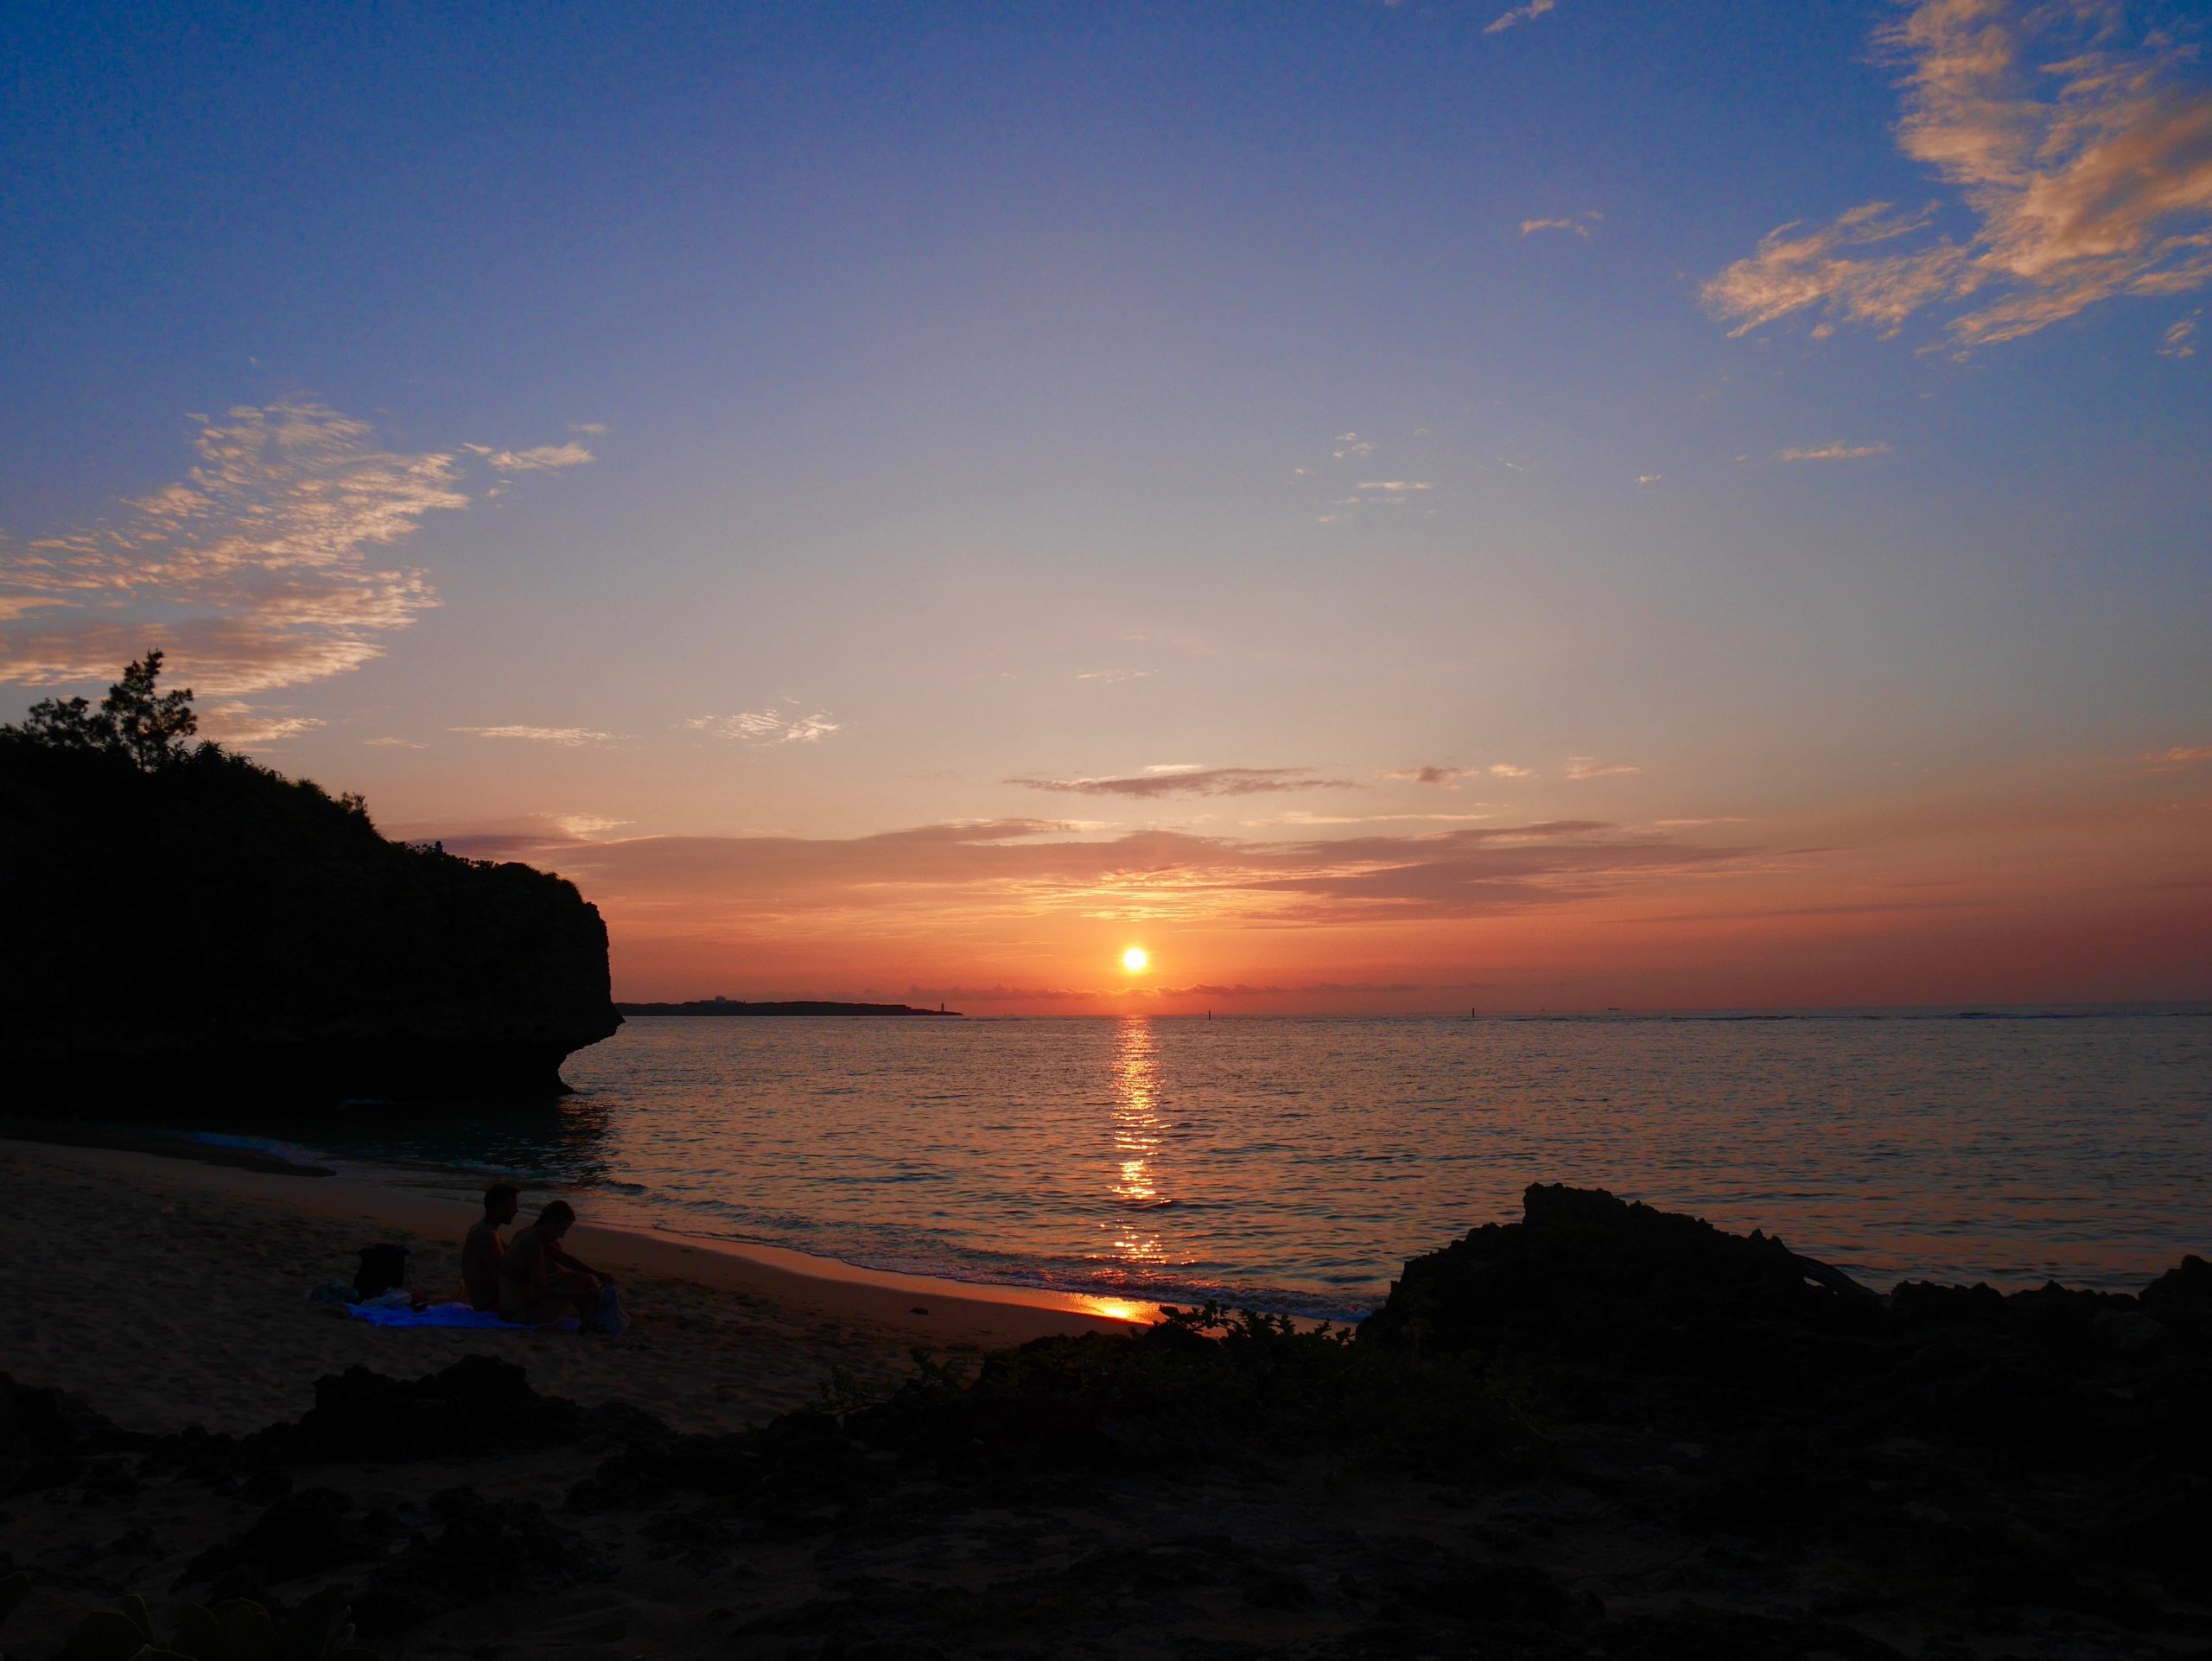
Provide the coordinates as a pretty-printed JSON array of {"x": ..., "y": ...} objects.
[{"x": 1388, "y": 507}]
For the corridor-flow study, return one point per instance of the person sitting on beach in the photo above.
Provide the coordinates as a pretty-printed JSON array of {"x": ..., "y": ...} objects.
[
  {"x": 539, "y": 1282},
  {"x": 483, "y": 1249}
]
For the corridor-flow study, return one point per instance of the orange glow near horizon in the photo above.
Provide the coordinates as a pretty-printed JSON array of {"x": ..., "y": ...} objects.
[{"x": 2054, "y": 885}]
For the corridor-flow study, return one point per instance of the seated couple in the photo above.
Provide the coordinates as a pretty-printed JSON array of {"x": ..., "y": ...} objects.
[{"x": 532, "y": 1279}]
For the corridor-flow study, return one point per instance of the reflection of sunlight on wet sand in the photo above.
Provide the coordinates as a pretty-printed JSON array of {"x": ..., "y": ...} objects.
[
  {"x": 1120, "y": 1308},
  {"x": 1136, "y": 1137}
]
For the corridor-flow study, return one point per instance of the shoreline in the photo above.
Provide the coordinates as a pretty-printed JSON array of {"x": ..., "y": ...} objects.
[
  {"x": 801, "y": 1276},
  {"x": 166, "y": 1291},
  {"x": 1603, "y": 1430},
  {"x": 424, "y": 1207}
]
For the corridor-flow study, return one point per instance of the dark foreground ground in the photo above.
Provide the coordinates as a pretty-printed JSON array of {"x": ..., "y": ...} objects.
[{"x": 1605, "y": 1430}]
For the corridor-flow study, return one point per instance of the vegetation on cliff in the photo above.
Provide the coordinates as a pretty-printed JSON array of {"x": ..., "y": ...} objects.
[{"x": 182, "y": 921}]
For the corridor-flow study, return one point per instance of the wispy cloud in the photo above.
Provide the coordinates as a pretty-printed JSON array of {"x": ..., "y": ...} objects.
[
  {"x": 1838, "y": 451},
  {"x": 1397, "y": 487},
  {"x": 255, "y": 571},
  {"x": 394, "y": 744},
  {"x": 2087, "y": 166},
  {"x": 543, "y": 458},
  {"x": 591, "y": 427},
  {"x": 245, "y": 727},
  {"x": 1446, "y": 778},
  {"x": 1589, "y": 767},
  {"x": 766, "y": 727},
  {"x": 1371, "y": 818},
  {"x": 567, "y": 737},
  {"x": 2174, "y": 760},
  {"x": 1113, "y": 677},
  {"x": 1192, "y": 781},
  {"x": 2180, "y": 339},
  {"x": 1648, "y": 478},
  {"x": 1349, "y": 445},
  {"x": 1526, "y": 14},
  {"x": 1582, "y": 223},
  {"x": 747, "y": 886},
  {"x": 1507, "y": 770},
  {"x": 585, "y": 827}
]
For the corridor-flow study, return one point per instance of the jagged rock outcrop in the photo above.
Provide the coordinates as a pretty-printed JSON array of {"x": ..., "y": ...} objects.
[{"x": 209, "y": 929}]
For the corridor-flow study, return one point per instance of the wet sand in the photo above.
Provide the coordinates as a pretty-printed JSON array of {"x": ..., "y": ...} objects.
[{"x": 165, "y": 1292}]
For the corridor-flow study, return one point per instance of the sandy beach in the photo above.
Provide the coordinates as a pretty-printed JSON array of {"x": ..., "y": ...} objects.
[{"x": 166, "y": 1292}]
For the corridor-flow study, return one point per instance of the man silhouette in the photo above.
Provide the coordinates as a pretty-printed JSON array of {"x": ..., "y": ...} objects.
[
  {"x": 539, "y": 1282},
  {"x": 483, "y": 1250}
]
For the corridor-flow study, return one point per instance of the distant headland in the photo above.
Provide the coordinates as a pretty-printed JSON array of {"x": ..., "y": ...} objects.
[{"x": 787, "y": 1007}]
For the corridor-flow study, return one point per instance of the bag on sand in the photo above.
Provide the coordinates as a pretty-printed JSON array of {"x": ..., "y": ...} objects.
[
  {"x": 383, "y": 1266},
  {"x": 608, "y": 1318}
]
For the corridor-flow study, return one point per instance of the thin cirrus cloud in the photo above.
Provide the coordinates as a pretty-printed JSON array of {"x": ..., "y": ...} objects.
[
  {"x": 1508, "y": 770},
  {"x": 1581, "y": 225},
  {"x": 765, "y": 726},
  {"x": 243, "y": 727},
  {"x": 1526, "y": 14},
  {"x": 1589, "y": 767},
  {"x": 1446, "y": 777},
  {"x": 2180, "y": 339},
  {"x": 1372, "y": 818},
  {"x": 1838, "y": 451},
  {"x": 2086, "y": 165},
  {"x": 739, "y": 886},
  {"x": 2174, "y": 760},
  {"x": 261, "y": 569},
  {"x": 566, "y": 737},
  {"x": 543, "y": 458},
  {"x": 1181, "y": 779},
  {"x": 1351, "y": 446}
]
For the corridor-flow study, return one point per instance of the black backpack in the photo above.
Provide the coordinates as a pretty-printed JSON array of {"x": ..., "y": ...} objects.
[{"x": 383, "y": 1266}]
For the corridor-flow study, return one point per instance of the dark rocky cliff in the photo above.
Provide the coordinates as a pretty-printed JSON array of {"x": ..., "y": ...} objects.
[{"x": 209, "y": 929}]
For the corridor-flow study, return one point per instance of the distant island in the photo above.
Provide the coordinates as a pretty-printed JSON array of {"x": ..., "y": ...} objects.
[
  {"x": 185, "y": 925},
  {"x": 789, "y": 1007}
]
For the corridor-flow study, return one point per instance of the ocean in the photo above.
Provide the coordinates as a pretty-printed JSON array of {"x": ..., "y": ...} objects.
[{"x": 1294, "y": 1164}]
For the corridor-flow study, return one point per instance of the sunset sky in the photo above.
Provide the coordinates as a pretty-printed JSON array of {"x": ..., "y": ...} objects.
[{"x": 1386, "y": 506}]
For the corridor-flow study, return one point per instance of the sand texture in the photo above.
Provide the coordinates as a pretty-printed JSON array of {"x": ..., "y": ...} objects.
[{"x": 166, "y": 1293}]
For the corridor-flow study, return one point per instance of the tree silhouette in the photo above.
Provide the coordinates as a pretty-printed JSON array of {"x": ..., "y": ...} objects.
[{"x": 152, "y": 728}]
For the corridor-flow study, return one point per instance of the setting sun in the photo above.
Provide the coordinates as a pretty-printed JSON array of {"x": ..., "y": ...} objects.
[{"x": 1135, "y": 959}]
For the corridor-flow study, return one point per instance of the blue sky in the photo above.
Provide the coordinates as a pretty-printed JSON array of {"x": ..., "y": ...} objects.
[{"x": 810, "y": 420}]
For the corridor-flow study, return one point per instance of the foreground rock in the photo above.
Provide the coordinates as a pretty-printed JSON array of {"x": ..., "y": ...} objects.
[{"x": 1605, "y": 1430}]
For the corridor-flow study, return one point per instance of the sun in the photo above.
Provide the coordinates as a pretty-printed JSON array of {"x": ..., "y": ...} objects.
[{"x": 1135, "y": 959}]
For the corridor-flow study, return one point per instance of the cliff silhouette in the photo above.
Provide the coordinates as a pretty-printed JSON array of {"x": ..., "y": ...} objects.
[{"x": 183, "y": 924}]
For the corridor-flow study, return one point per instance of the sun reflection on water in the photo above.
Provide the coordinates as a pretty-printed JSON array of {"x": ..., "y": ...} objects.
[{"x": 1137, "y": 1140}]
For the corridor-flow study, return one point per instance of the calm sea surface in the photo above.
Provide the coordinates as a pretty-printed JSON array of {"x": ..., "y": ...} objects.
[{"x": 1296, "y": 1163}]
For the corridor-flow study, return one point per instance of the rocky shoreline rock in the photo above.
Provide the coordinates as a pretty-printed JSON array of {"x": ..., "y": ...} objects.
[
  {"x": 1605, "y": 1430},
  {"x": 206, "y": 930}
]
